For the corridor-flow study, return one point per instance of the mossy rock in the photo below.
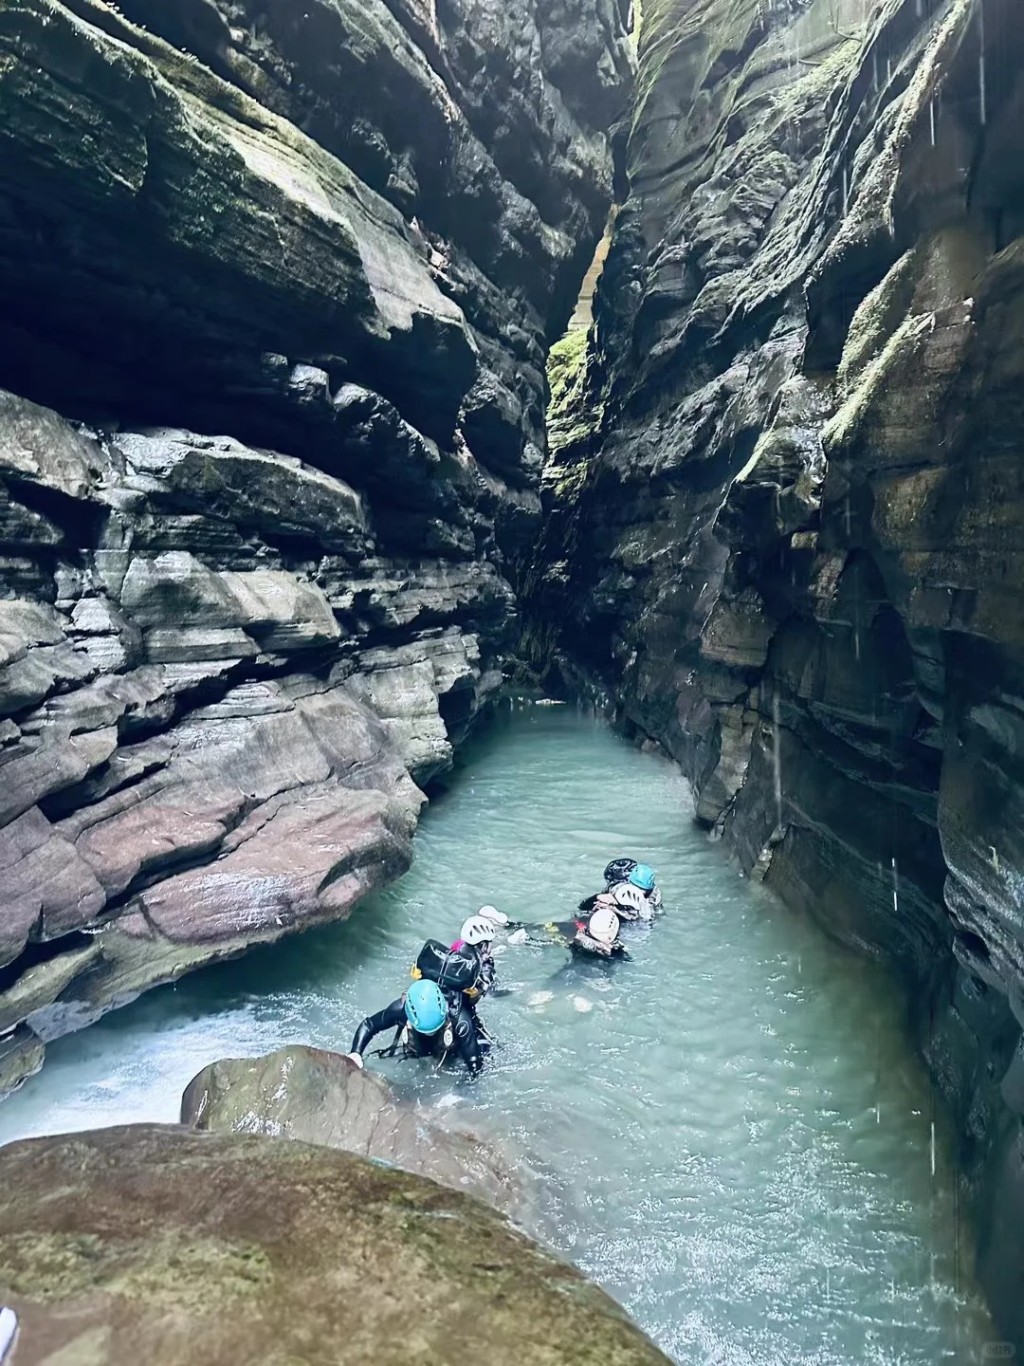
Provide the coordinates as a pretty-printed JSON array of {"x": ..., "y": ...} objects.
[
  {"x": 151, "y": 1243},
  {"x": 572, "y": 418}
]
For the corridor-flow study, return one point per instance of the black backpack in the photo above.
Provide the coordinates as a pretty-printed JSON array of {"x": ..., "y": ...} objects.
[{"x": 454, "y": 970}]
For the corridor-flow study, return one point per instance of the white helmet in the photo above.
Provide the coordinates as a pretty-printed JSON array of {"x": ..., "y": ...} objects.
[
  {"x": 492, "y": 914},
  {"x": 476, "y": 930},
  {"x": 631, "y": 900},
  {"x": 604, "y": 926}
]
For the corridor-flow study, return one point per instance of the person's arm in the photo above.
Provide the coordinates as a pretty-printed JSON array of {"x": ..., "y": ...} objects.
[
  {"x": 587, "y": 944},
  {"x": 555, "y": 933},
  {"x": 389, "y": 1018}
]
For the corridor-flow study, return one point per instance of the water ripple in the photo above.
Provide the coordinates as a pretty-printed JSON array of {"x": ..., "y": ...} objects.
[{"x": 730, "y": 1130}]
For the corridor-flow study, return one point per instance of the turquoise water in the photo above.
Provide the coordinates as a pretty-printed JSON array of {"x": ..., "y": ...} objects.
[{"x": 728, "y": 1132}]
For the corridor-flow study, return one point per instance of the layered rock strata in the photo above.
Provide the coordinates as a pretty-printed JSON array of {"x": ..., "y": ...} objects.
[
  {"x": 786, "y": 513},
  {"x": 278, "y": 282}
]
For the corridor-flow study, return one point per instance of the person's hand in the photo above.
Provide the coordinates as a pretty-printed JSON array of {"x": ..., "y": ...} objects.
[
  {"x": 355, "y": 1058},
  {"x": 519, "y": 937}
]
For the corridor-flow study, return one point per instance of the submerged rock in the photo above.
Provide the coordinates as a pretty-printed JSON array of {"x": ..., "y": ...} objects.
[
  {"x": 152, "y": 1243},
  {"x": 316, "y": 1096}
]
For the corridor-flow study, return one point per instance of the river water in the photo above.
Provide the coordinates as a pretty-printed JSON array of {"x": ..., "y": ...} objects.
[{"x": 729, "y": 1132}]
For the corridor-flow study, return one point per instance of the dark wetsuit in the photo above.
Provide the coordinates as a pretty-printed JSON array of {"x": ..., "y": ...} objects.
[
  {"x": 485, "y": 982},
  {"x": 464, "y": 1044}
]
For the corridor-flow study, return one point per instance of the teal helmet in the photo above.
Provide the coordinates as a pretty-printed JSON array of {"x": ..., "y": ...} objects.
[
  {"x": 643, "y": 877},
  {"x": 425, "y": 1007}
]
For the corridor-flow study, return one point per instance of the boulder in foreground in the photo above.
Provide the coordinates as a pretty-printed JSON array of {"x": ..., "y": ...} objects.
[
  {"x": 317, "y": 1096},
  {"x": 152, "y": 1243}
]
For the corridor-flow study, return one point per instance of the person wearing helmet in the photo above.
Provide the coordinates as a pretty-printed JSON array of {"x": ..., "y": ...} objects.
[
  {"x": 478, "y": 933},
  {"x": 628, "y": 902},
  {"x": 476, "y": 936},
  {"x": 639, "y": 902},
  {"x": 642, "y": 877},
  {"x": 596, "y": 934},
  {"x": 601, "y": 930},
  {"x": 426, "y": 1025},
  {"x": 618, "y": 871}
]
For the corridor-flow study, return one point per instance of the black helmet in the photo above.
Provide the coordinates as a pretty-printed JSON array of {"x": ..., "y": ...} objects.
[{"x": 619, "y": 870}]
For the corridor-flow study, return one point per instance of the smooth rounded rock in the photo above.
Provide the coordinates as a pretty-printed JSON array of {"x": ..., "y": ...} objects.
[
  {"x": 316, "y": 1096},
  {"x": 151, "y": 1243}
]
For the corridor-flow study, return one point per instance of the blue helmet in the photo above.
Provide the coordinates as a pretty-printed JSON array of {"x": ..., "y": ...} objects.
[
  {"x": 425, "y": 1007},
  {"x": 643, "y": 877}
]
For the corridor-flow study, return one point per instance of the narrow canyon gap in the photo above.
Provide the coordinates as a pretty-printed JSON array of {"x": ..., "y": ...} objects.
[{"x": 279, "y": 283}]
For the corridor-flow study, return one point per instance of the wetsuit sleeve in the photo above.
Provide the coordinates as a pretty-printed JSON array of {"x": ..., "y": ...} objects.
[
  {"x": 389, "y": 1018},
  {"x": 488, "y": 975},
  {"x": 466, "y": 1043}
]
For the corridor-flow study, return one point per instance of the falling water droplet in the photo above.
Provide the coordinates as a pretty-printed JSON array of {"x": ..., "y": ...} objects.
[
  {"x": 846, "y": 190},
  {"x": 888, "y": 71},
  {"x": 933, "y": 1147},
  {"x": 874, "y": 71},
  {"x": 931, "y": 119},
  {"x": 895, "y": 888},
  {"x": 981, "y": 63},
  {"x": 919, "y": 9},
  {"x": 776, "y": 757}
]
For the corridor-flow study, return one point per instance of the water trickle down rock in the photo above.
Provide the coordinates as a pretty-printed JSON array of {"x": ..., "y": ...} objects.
[
  {"x": 278, "y": 282},
  {"x": 793, "y": 545}
]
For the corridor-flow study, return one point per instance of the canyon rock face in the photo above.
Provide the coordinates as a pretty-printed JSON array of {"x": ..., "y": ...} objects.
[
  {"x": 278, "y": 286},
  {"x": 139, "y": 1242},
  {"x": 786, "y": 504}
]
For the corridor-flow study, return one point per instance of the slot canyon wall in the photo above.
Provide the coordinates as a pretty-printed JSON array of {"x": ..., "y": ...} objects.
[
  {"x": 785, "y": 503},
  {"x": 278, "y": 284}
]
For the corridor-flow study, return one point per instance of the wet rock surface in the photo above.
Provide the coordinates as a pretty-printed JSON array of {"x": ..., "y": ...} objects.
[
  {"x": 315, "y": 1096},
  {"x": 136, "y": 1243},
  {"x": 785, "y": 531},
  {"x": 278, "y": 284}
]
